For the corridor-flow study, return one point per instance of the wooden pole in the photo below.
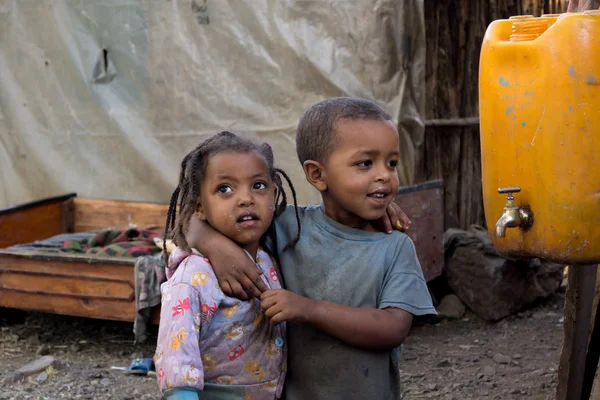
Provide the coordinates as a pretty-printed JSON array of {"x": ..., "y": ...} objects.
[{"x": 579, "y": 302}]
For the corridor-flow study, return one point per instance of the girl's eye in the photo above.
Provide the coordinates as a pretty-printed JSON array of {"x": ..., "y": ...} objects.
[
  {"x": 224, "y": 189},
  {"x": 365, "y": 163},
  {"x": 259, "y": 186},
  {"x": 393, "y": 163}
]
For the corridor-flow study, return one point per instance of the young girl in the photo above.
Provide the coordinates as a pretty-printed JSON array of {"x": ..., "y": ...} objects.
[{"x": 209, "y": 343}]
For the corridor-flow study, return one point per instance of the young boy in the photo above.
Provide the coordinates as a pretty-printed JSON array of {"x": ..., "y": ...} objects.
[{"x": 352, "y": 290}]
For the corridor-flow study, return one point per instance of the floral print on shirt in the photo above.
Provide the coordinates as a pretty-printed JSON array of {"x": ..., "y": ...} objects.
[{"x": 207, "y": 339}]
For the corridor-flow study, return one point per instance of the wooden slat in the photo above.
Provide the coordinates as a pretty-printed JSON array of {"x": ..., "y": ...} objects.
[
  {"x": 32, "y": 221},
  {"x": 96, "y": 214},
  {"x": 74, "y": 266},
  {"x": 78, "y": 307},
  {"x": 66, "y": 286}
]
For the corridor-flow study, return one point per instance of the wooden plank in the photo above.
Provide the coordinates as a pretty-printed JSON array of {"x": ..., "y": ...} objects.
[
  {"x": 578, "y": 310},
  {"x": 68, "y": 216},
  {"x": 424, "y": 204},
  {"x": 70, "y": 287},
  {"x": 79, "y": 307},
  {"x": 66, "y": 286},
  {"x": 32, "y": 221},
  {"x": 96, "y": 214},
  {"x": 74, "y": 278},
  {"x": 89, "y": 266}
]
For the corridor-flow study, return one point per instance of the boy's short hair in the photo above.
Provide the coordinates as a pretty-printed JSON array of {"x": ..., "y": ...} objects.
[{"x": 315, "y": 134}]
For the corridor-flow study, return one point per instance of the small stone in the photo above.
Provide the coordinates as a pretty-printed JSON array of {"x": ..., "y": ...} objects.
[
  {"x": 42, "y": 350},
  {"x": 136, "y": 392},
  {"x": 75, "y": 348},
  {"x": 489, "y": 385},
  {"x": 32, "y": 368},
  {"x": 33, "y": 341},
  {"x": 105, "y": 382},
  {"x": 516, "y": 356},
  {"x": 443, "y": 363},
  {"x": 94, "y": 382},
  {"x": 410, "y": 356},
  {"x": 489, "y": 370},
  {"x": 480, "y": 375},
  {"x": 451, "y": 307},
  {"x": 502, "y": 359},
  {"x": 538, "y": 372},
  {"x": 41, "y": 378}
]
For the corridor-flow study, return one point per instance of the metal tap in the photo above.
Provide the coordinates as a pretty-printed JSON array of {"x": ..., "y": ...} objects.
[{"x": 512, "y": 215}]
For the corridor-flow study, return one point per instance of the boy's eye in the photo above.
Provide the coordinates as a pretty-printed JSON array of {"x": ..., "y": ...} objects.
[
  {"x": 224, "y": 189},
  {"x": 394, "y": 163},
  {"x": 365, "y": 163},
  {"x": 259, "y": 186}
]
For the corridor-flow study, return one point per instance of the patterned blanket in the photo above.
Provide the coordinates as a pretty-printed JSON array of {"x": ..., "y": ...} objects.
[{"x": 116, "y": 243}]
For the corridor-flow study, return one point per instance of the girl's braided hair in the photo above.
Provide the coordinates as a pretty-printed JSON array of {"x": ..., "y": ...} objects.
[{"x": 193, "y": 169}]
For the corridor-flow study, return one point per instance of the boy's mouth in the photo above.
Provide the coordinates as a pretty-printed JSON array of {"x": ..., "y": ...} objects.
[{"x": 379, "y": 195}]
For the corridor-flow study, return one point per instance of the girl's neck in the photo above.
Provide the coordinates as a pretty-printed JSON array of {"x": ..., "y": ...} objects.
[{"x": 252, "y": 249}]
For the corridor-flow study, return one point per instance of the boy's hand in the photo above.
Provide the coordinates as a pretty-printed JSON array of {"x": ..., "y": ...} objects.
[
  {"x": 394, "y": 218},
  {"x": 282, "y": 305},
  {"x": 238, "y": 276}
]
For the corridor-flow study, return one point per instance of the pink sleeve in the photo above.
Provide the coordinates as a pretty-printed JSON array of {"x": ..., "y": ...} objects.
[{"x": 190, "y": 300}]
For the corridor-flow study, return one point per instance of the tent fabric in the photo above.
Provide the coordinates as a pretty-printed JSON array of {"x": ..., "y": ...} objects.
[{"x": 105, "y": 98}]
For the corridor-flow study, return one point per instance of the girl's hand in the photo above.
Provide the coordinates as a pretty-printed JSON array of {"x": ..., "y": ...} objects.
[
  {"x": 394, "y": 218},
  {"x": 282, "y": 305}
]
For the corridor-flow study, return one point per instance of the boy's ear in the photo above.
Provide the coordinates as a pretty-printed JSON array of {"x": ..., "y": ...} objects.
[
  {"x": 315, "y": 174},
  {"x": 199, "y": 213}
]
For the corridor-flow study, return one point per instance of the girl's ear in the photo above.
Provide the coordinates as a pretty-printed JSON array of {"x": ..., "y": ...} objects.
[{"x": 199, "y": 213}]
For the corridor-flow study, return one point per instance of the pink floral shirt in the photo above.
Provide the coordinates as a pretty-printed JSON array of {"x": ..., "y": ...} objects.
[{"x": 213, "y": 343}]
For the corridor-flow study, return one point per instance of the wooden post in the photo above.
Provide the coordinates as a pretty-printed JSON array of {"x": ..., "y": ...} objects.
[
  {"x": 578, "y": 312},
  {"x": 593, "y": 352}
]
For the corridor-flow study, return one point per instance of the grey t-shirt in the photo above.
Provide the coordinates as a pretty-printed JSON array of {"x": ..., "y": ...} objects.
[{"x": 355, "y": 268}]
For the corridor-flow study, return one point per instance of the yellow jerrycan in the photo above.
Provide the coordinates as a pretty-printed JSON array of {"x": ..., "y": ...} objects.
[{"x": 539, "y": 95}]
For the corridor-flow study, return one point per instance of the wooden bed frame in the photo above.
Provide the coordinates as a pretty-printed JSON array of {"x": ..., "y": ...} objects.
[
  {"x": 103, "y": 287},
  {"x": 79, "y": 285}
]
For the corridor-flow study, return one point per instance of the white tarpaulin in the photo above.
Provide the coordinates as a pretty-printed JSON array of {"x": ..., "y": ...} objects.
[{"x": 105, "y": 97}]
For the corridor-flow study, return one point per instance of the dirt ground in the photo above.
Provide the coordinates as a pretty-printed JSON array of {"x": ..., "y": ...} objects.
[{"x": 461, "y": 359}]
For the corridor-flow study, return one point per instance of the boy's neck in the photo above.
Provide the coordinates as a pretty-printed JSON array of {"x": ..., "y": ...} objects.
[{"x": 344, "y": 217}]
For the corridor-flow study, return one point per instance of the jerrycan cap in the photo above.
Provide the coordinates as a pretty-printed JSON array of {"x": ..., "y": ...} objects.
[{"x": 529, "y": 28}]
